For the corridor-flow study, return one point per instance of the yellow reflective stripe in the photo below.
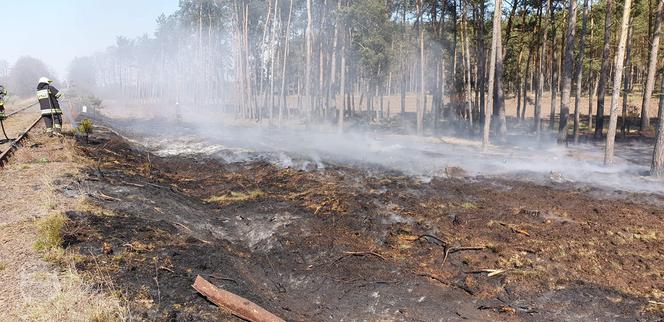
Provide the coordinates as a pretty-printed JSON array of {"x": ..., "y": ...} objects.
[
  {"x": 58, "y": 95},
  {"x": 51, "y": 111},
  {"x": 57, "y": 126}
]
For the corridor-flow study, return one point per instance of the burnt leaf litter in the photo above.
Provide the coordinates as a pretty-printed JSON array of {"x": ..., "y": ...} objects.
[{"x": 346, "y": 244}]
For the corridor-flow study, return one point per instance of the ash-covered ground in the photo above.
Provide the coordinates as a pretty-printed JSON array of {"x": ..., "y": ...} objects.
[{"x": 390, "y": 227}]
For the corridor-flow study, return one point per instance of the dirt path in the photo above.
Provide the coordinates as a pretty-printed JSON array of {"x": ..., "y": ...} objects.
[
  {"x": 30, "y": 288},
  {"x": 351, "y": 244}
]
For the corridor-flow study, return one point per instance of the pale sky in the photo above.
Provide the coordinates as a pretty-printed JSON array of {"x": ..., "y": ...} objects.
[{"x": 56, "y": 31}]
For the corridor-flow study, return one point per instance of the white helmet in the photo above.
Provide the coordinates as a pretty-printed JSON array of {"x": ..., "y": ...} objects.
[{"x": 45, "y": 80}]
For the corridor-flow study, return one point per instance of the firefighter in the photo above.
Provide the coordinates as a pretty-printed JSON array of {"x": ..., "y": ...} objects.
[
  {"x": 3, "y": 94},
  {"x": 50, "y": 107}
]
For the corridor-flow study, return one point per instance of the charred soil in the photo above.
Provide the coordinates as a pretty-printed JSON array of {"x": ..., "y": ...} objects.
[{"x": 350, "y": 244}]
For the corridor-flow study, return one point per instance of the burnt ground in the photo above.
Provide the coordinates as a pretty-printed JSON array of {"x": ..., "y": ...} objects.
[{"x": 348, "y": 244}]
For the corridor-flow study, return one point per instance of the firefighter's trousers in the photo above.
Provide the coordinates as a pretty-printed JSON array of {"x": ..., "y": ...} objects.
[{"x": 53, "y": 122}]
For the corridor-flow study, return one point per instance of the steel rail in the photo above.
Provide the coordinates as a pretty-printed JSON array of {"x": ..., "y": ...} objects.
[
  {"x": 21, "y": 109},
  {"x": 4, "y": 157}
]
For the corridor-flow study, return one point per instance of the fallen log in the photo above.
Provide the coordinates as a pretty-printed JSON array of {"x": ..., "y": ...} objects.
[{"x": 235, "y": 304}]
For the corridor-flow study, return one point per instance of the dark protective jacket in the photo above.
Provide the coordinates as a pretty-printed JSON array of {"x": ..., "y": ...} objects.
[
  {"x": 3, "y": 94},
  {"x": 48, "y": 99}
]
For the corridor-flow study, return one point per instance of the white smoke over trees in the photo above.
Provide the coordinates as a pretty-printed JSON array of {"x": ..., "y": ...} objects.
[{"x": 23, "y": 76}]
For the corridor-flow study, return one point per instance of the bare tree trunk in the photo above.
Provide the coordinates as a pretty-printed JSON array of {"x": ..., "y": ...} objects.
[
  {"x": 402, "y": 66},
  {"x": 611, "y": 135},
  {"x": 272, "y": 59},
  {"x": 660, "y": 110},
  {"x": 420, "y": 103},
  {"x": 525, "y": 87},
  {"x": 567, "y": 72},
  {"x": 652, "y": 66},
  {"x": 579, "y": 72},
  {"x": 308, "y": 54},
  {"x": 342, "y": 106},
  {"x": 540, "y": 71},
  {"x": 626, "y": 83},
  {"x": 481, "y": 72},
  {"x": 604, "y": 70},
  {"x": 332, "y": 82},
  {"x": 554, "y": 68},
  {"x": 499, "y": 100},
  {"x": 492, "y": 70},
  {"x": 591, "y": 81},
  {"x": 284, "y": 76},
  {"x": 657, "y": 168},
  {"x": 518, "y": 84},
  {"x": 466, "y": 55}
]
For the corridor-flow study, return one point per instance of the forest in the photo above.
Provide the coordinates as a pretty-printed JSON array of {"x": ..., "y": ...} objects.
[{"x": 550, "y": 64}]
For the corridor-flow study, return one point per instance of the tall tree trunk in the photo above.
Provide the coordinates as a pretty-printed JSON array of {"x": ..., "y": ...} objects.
[
  {"x": 657, "y": 168},
  {"x": 481, "y": 72},
  {"x": 518, "y": 84},
  {"x": 284, "y": 75},
  {"x": 420, "y": 102},
  {"x": 579, "y": 72},
  {"x": 652, "y": 66},
  {"x": 554, "y": 68},
  {"x": 466, "y": 56},
  {"x": 540, "y": 71},
  {"x": 567, "y": 72},
  {"x": 342, "y": 106},
  {"x": 495, "y": 38},
  {"x": 592, "y": 84},
  {"x": 620, "y": 56},
  {"x": 604, "y": 70},
  {"x": 525, "y": 86},
  {"x": 307, "y": 67},
  {"x": 626, "y": 83},
  {"x": 499, "y": 100},
  {"x": 660, "y": 110}
]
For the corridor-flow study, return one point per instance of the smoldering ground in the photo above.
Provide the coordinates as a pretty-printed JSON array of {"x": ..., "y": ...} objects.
[{"x": 525, "y": 157}]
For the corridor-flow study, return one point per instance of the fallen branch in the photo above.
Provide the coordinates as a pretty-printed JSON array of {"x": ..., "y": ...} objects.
[
  {"x": 490, "y": 272},
  {"x": 435, "y": 278},
  {"x": 442, "y": 242},
  {"x": 362, "y": 254},
  {"x": 101, "y": 196},
  {"x": 235, "y": 304},
  {"x": 515, "y": 228},
  {"x": 451, "y": 250}
]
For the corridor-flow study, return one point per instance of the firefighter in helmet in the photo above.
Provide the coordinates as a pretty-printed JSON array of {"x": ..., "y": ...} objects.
[
  {"x": 3, "y": 94},
  {"x": 50, "y": 107}
]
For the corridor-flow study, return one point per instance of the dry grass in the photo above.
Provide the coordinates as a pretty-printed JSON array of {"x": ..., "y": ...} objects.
[
  {"x": 236, "y": 197},
  {"x": 49, "y": 229},
  {"x": 31, "y": 287},
  {"x": 75, "y": 301}
]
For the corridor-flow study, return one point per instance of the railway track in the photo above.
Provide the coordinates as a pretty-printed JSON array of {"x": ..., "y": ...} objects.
[
  {"x": 21, "y": 109},
  {"x": 16, "y": 143}
]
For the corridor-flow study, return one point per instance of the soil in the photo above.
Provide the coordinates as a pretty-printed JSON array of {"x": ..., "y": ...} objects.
[{"x": 347, "y": 244}]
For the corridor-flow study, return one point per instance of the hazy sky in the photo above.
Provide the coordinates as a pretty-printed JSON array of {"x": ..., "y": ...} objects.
[{"x": 56, "y": 31}]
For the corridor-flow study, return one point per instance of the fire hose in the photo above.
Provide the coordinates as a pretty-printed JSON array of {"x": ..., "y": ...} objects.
[{"x": 2, "y": 124}]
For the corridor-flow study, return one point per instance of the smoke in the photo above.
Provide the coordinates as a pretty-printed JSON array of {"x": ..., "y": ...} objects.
[
  {"x": 221, "y": 66},
  {"x": 230, "y": 140}
]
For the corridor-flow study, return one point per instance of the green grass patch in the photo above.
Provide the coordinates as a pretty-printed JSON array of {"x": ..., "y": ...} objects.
[
  {"x": 49, "y": 236},
  {"x": 468, "y": 205},
  {"x": 236, "y": 197}
]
